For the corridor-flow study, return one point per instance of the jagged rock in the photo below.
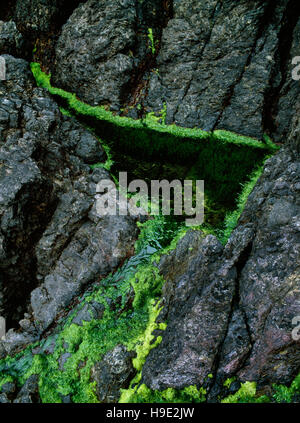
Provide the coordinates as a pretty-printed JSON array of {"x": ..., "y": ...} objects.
[
  {"x": 11, "y": 41},
  {"x": 230, "y": 311},
  {"x": 40, "y": 23},
  {"x": 38, "y": 16},
  {"x": 8, "y": 392},
  {"x": 92, "y": 54},
  {"x": 8, "y": 388},
  {"x": 288, "y": 91},
  {"x": 50, "y": 239},
  {"x": 102, "y": 47},
  {"x": 3, "y": 352},
  {"x": 235, "y": 348},
  {"x": 4, "y": 399},
  {"x": 217, "y": 65},
  {"x": 63, "y": 359},
  {"x": 88, "y": 312},
  {"x": 269, "y": 282},
  {"x": 29, "y": 392},
  {"x": 198, "y": 295},
  {"x": 113, "y": 373}
]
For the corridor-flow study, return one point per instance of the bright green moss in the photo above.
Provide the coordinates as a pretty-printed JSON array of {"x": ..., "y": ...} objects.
[
  {"x": 149, "y": 129},
  {"x": 151, "y": 39},
  {"x": 228, "y": 382},
  {"x": 284, "y": 393},
  {"x": 83, "y": 345},
  {"x": 232, "y": 218},
  {"x": 225, "y": 159},
  {"x": 246, "y": 393},
  {"x": 142, "y": 394}
]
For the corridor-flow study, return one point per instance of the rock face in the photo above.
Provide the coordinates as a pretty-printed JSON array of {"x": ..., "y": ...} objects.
[
  {"x": 214, "y": 65},
  {"x": 230, "y": 310},
  {"x": 101, "y": 47},
  {"x": 26, "y": 395},
  {"x": 40, "y": 22},
  {"x": 11, "y": 41},
  {"x": 51, "y": 237},
  {"x": 98, "y": 36},
  {"x": 198, "y": 295},
  {"x": 114, "y": 372},
  {"x": 40, "y": 16},
  {"x": 217, "y": 65}
]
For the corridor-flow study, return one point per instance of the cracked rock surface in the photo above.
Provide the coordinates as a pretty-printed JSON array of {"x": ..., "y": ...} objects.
[
  {"x": 52, "y": 243},
  {"x": 230, "y": 310},
  {"x": 216, "y": 65},
  {"x": 211, "y": 65}
]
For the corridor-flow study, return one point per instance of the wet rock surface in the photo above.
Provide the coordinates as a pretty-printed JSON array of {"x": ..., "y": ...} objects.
[
  {"x": 11, "y": 40},
  {"x": 230, "y": 310},
  {"x": 102, "y": 48},
  {"x": 27, "y": 394},
  {"x": 113, "y": 373},
  {"x": 217, "y": 65},
  {"x": 50, "y": 240},
  {"x": 213, "y": 65},
  {"x": 197, "y": 305}
]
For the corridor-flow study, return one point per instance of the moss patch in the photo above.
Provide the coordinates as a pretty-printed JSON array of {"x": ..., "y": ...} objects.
[
  {"x": 224, "y": 160},
  {"x": 147, "y": 149}
]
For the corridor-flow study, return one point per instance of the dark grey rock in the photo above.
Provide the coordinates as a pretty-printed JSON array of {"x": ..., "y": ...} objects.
[
  {"x": 198, "y": 294},
  {"x": 269, "y": 281},
  {"x": 88, "y": 312},
  {"x": 236, "y": 346},
  {"x": 42, "y": 16},
  {"x": 11, "y": 40},
  {"x": 63, "y": 359},
  {"x": 8, "y": 388},
  {"x": 106, "y": 69},
  {"x": 29, "y": 391},
  {"x": 3, "y": 352},
  {"x": 49, "y": 238},
  {"x": 97, "y": 67},
  {"x": 93, "y": 252},
  {"x": 66, "y": 399},
  {"x": 230, "y": 311},
  {"x": 4, "y": 399},
  {"x": 113, "y": 373},
  {"x": 289, "y": 95}
]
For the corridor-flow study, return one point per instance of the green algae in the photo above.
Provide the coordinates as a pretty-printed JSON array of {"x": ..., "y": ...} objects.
[
  {"x": 248, "y": 393},
  {"x": 143, "y": 394},
  {"x": 147, "y": 148},
  {"x": 152, "y": 45},
  {"x": 231, "y": 218},
  {"x": 84, "y": 345},
  {"x": 227, "y": 157},
  {"x": 188, "y": 140}
]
